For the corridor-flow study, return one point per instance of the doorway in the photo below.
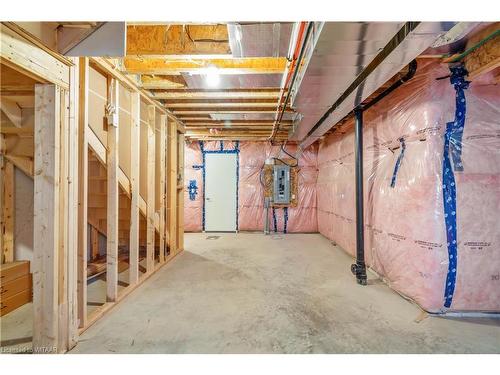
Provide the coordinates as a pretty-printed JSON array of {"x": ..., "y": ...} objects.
[{"x": 220, "y": 192}]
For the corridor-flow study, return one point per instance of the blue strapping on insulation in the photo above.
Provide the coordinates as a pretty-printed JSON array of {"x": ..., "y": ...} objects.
[
  {"x": 285, "y": 211},
  {"x": 275, "y": 222},
  {"x": 192, "y": 189},
  {"x": 398, "y": 162},
  {"x": 453, "y": 137},
  {"x": 236, "y": 151}
]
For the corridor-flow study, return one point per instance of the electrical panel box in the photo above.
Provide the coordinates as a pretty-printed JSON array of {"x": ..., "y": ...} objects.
[{"x": 281, "y": 181}]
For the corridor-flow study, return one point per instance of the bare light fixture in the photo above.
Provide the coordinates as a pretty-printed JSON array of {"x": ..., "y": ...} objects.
[{"x": 212, "y": 76}]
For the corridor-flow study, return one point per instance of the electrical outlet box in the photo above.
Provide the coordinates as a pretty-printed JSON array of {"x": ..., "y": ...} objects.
[{"x": 281, "y": 188}]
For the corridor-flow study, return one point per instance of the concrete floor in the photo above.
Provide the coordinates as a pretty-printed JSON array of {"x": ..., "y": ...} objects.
[{"x": 250, "y": 293}]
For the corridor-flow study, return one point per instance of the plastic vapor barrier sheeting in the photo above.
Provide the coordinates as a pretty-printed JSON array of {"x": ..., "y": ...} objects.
[
  {"x": 405, "y": 172},
  {"x": 252, "y": 156},
  {"x": 193, "y": 161}
]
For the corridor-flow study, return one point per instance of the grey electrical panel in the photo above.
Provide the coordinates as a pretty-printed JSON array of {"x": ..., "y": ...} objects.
[{"x": 281, "y": 191}]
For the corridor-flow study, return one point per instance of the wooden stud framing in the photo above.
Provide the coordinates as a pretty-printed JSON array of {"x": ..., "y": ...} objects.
[
  {"x": 8, "y": 213},
  {"x": 82, "y": 189},
  {"x": 112, "y": 197},
  {"x": 94, "y": 243},
  {"x": 46, "y": 219},
  {"x": 172, "y": 187},
  {"x": 134, "y": 187},
  {"x": 162, "y": 186},
  {"x": 20, "y": 54},
  {"x": 63, "y": 247},
  {"x": 180, "y": 192},
  {"x": 73, "y": 183},
  {"x": 150, "y": 249}
]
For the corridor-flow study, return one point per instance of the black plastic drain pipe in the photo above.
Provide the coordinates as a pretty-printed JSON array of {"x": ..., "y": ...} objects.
[{"x": 359, "y": 268}]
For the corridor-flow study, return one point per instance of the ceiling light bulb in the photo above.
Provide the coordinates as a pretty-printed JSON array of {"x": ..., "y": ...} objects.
[{"x": 213, "y": 77}]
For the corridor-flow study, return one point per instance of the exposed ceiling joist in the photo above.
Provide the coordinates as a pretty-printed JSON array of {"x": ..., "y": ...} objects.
[
  {"x": 260, "y": 65},
  {"x": 271, "y": 93},
  {"x": 221, "y": 104},
  {"x": 234, "y": 122},
  {"x": 201, "y": 111},
  {"x": 150, "y": 82}
]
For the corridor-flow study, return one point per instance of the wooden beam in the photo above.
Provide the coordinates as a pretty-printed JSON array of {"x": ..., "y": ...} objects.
[
  {"x": 46, "y": 218},
  {"x": 261, "y": 93},
  {"x": 250, "y": 65},
  {"x": 8, "y": 213},
  {"x": 201, "y": 111},
  {"x": 151, "y": 191},
  {"x": 21, "y": 55},
  {"x": 187, "y": 105},
  {"x": 177, "y": 39},
  {"x": 163, "y": 135},
  {"x": 215, "y": 123},
  {"x": 149, "y": 82},
  {"x": 134, "y": 187},
  {"x": 37, "y": 42},
  {"x": 83, "y": 121},
  {"x": 487, "y": 56},
  {"x": 11, "y": 110},
  {"x": 112, "y": 166}
]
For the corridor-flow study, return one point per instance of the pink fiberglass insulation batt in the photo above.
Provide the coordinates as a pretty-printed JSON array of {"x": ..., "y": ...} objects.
[
  {"x": 405, "y": 238},
  {"x": 252, "y": 156}
]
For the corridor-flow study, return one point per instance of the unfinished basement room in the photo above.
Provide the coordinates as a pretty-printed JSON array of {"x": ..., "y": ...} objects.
[{"x": 250, "y": 187}]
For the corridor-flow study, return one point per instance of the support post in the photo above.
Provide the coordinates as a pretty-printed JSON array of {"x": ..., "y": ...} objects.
[
  {"x": 46, "y": 218},
  {"x": 150, "y": 237},
  {"x": 83, "y": 120},
  {"x": 8, "y": 212},
  {"x": 359, "y": 269},
  {"x": 134, "y": 187},
  {"x": 172, "y": 187},
  {"x": 73, "y": 183},
  {"x": 94, "y": 243},
  {"x": 163, "y": 135},
  {"x": 180, "y": 191},
  {"x": 113, "y": 194},
  {"x": 63, "y": 247}
]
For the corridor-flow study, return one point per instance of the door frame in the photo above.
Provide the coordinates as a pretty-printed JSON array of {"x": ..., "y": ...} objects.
[{"x": 221, "y": 150}]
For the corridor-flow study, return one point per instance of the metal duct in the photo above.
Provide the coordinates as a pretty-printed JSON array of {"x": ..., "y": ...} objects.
[
  {"x": 342, "y": 50},
  {"x": 259, "y": 39},
  {"x": 331, "y": 72}
]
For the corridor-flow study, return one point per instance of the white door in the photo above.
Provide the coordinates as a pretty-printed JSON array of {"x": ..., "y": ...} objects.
[{"x": 220, "y": 192}]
